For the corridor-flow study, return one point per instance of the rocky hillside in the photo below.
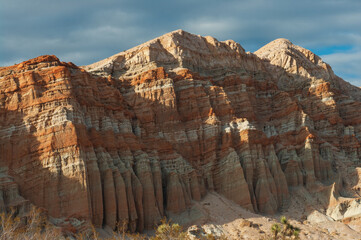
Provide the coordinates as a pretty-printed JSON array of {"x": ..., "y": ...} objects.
[{"x": 145, "y": 133}]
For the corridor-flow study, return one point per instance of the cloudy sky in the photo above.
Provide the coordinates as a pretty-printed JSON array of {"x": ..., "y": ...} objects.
[{"x": 85, "y": 31}]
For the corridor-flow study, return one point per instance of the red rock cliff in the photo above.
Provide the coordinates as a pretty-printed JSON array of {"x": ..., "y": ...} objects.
[{"x": 147, "y": 131}]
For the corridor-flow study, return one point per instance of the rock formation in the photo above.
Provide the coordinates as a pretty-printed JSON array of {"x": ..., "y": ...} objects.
[{"x": 148, "y": 131}]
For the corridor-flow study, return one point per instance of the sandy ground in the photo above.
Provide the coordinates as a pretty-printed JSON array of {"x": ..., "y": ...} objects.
[
  {"x": 215, "y": 214},
  {"x": 219, "y": 216}
]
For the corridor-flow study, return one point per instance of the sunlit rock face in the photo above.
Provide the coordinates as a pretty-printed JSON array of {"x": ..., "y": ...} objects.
[{"x": 148, "y": 131}]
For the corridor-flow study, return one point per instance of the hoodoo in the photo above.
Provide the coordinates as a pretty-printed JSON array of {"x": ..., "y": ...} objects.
[{"x": 149, "y": 131}]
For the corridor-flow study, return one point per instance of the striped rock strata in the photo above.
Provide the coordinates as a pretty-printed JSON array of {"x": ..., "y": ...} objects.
[{"x": 147, "y": 131}]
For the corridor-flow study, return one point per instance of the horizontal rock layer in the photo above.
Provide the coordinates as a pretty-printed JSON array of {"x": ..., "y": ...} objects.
[{"x": 147, "y": 131}]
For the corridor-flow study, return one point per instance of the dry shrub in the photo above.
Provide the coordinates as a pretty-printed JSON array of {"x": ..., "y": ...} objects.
[
  {"x": 34, "y": 226},
  {"x": 168, "y": 231}
]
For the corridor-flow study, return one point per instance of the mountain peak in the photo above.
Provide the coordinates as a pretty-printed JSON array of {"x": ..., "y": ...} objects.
[
  {"x": 282, "y": 41},
  {"x": 176, "y": 49},
  {"x": 295, "y": 59},
  {"x": 276, "y": 45},
  {"x": 178, "y": 31},
  {"x": 151, "y": 139}
]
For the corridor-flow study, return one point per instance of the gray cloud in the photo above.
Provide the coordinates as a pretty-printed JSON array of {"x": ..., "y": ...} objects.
[
  {"x": 348, "y": 63},
  {"x": 85, "y": 31}
]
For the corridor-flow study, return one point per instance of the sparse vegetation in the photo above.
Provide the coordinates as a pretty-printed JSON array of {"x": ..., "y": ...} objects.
[
  {"x": 36, "y": 226},
  {"x": 288, "y": 231},
  {"x": 169, "y": 231},
  {"x": 212, "y": 237}
]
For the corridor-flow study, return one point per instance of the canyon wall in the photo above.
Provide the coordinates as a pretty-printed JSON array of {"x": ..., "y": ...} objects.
[{"x": 148, "y": 131}]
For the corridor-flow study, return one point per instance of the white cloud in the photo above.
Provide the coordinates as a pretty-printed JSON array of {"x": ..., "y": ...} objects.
[
  {"x": 347, "y": 65},
  {"x": 212, "y": 27},
  {"x": 339, "y": 58}
]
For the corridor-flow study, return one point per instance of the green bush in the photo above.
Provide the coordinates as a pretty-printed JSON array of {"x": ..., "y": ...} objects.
[
  {"x": 288, "y": 231},
  {"x": 166, "y": 231}
]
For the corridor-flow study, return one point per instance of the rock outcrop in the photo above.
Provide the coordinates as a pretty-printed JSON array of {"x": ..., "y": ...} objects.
[{"x": 147, "y": 131}]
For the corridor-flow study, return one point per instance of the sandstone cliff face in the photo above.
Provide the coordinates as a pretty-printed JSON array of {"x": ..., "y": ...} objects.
[{"x": 147, "y": 131}]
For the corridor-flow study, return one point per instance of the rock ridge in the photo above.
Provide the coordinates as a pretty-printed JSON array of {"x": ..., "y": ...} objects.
[{"x": 149, "y": 131}]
